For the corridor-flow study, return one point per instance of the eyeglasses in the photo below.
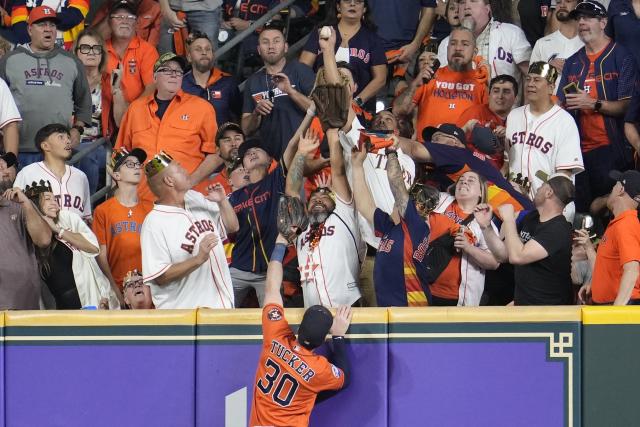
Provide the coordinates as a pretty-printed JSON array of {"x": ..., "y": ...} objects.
[
  {"x": 87, "y": 48},
  {"x": 170, "y": 72},
  {"x": 352, "y": 1},
  {"x": 124, "y": 17},
  {"x": 133, "y": 165},
  {"x": 131, "y": 283}
]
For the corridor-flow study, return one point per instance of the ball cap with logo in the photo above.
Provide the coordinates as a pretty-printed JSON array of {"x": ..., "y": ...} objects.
[
  {"x": 42, "y": 13},
  {"x": 590, "y": 8},
  {"x": 168, "y": 57},
  {"x": 118, "y": 157},
  {"x": 316, "y": 324},
  {"x": 630, "y": 180},
  {"x": 123, "y": 4},
  {"x": 446, "y": 128}
]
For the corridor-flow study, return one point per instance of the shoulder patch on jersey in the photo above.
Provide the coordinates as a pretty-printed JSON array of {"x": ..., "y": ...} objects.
[
  {"x": 274, "y": 314},
  {"x": 336, "y": 371}
]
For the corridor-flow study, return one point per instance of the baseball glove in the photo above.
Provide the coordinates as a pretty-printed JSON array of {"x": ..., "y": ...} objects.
[
  {"x": 332, "y": 103},
  {"x": 292, "y": 217}
]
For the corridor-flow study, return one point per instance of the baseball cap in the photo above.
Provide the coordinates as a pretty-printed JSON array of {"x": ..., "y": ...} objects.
[
  {"x": 562, "y": 187},
  {"x": 118, "y": 157},
  {"x": 485, "y": 140},
  {"x": 9, "y": 158},
  {"x": 168, "y": 57},
  {"x": 446, "y": 128},
  {"x": 315, "y": 326},
  {"x": 629, "y": 179},
  {"x": 252, "y": 143},
  {"x": 41, "y": 13},
  {"x": 123, "y": 4},
  {"x": 277, "y": 25},
  {"x": 225, "y": 127},
  {"x": 590, "y": 8}
]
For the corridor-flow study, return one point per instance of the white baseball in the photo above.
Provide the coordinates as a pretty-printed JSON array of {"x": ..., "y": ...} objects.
[{"x": 325, "y": 32}]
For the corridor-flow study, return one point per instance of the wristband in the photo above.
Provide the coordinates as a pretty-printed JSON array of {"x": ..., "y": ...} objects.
[
  {"x": 338, "y": 337},
  {"x": 278, "y": 252}
]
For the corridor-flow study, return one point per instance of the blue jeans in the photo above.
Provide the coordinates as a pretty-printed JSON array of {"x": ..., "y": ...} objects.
[
  {"x": 205, "y": 21},
  {"x": 25, "y": 159},
  {"x": 91, "y": 164}
]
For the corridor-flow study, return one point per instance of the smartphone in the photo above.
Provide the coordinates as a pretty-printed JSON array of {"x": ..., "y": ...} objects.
[{"x": 570, "y": 88}]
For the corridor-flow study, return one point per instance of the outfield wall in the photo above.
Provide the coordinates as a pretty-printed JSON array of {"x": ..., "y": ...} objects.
[{"x": 488, "y": 366}]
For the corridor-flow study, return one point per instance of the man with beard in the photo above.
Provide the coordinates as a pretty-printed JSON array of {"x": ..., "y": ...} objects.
[
  {"x": 330, "y": 249},
  {"x": 69, "y": 184},
  {"x": 23, "y": 229},
  {"x": 210, "y": 83},
  {"x": 539, "y": 247},
  {"x": 228, "y": 140},
  {"x": 130, "y": 60},
  {"x": 503, "y": 46},
  {"x": 558, "y": 46},
  {"x": 275, "y": 98},
  {"x": 451, "y": 89}
]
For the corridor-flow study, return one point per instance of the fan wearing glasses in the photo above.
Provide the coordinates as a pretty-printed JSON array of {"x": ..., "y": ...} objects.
[{"x": 182, "y": 125}]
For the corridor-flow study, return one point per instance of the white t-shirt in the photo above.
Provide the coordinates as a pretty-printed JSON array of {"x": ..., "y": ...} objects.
[
  {"x": 375, "y": 172},
  {"x": 329, "y": 273},
  {"x": 555, "y": 46},
  {"x": 508, "y": 47},
  {"x": 171, "y": 235},
  {"x": 72, "y": 191},
  {"x": 8, "y": 109},
  {"x": 549, "y": 143}
]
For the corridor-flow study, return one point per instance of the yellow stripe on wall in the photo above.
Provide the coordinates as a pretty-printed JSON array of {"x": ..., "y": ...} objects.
[{"x": 608, "y": 315}]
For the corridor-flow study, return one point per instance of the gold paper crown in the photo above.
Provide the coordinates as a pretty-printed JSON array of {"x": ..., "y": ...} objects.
[
  {"x": 156, "y": 165},
  {"x": 132, "y": 276},
  {"x": 34, "y": 190},
  {"x": 545, "y": 70}
]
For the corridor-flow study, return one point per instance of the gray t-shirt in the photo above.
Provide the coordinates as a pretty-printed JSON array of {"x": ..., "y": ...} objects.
[
  {"x": 194, "y": 5},
  {"x": 19, "y": 275}
]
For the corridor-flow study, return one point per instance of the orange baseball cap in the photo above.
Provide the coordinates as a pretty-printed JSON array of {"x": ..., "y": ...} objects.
[{"x": 41, "y": 13}]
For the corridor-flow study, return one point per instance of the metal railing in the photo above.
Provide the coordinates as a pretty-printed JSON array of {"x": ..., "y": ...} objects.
[{"x": 85, "y": 151}]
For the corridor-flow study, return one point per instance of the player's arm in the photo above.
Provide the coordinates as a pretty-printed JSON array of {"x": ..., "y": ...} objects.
[
  {"x": 181, "y": 269},
  {"x": 307, "y": 145},
  {"x": 274, "y": 273},
  {"x": 519, "y": 253},
  {"x": 361, "y": 193},
  {"x": 396, "y": 181},
  {"x": 339, "y": 182},
  {"x": 339, "y": 357},
  {"x": 630, "y": 271}
]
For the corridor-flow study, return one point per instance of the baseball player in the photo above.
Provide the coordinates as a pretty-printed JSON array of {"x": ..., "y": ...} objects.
[
  {"x": 541, "y": 136},
  {"x": 69, "y": 184},
  {"x": 183, "y": 259},
  {"x": 330, "y": 249},
  {"x": 290, "y": 376}
]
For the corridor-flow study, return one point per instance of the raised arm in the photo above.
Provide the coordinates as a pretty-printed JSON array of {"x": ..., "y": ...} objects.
[
  {"x": 292, "y": 145},
  {"x": 307, "y": 145},
  {"x": 483, "y": 215},
  {"x": 361, "y": 193},
  {"x": 274, "y": 273},
  {"x": 396, "y": 182},
  {"x": 227, "y": 214},
  {"x": 519, "y": 253},
  {"x": 37, "y": 228}
]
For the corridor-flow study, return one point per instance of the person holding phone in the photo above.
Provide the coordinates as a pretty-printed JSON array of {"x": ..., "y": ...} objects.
[{"x": 604, "y": 73}]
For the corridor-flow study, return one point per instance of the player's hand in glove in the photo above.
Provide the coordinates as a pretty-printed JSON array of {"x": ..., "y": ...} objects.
[
  {"x": 341, "y": 321},
  {"x": 332, "y": 105},
  {"x": 207, "y": 244},
  {"x": 292, "y": 217}
]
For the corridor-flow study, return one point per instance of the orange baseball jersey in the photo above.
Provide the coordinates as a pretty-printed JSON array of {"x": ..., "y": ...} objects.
[
  {"x": 118, "y": 228},
  {"x": 186, "y": 132},
  {"x": 289, "y": 376},
  {"x": 447, "y": 95},
  {"x": 137, "y": 73}
]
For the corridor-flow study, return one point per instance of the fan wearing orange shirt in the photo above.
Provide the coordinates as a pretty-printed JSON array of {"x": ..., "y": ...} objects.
[
  {"x": 290, "y": 375},
  {"x": 441, "y": 96},
  {"x": 118, "y": 221}
]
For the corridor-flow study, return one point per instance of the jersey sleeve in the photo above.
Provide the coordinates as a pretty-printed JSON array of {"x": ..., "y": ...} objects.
[
  {"x": 536, "y": 53},
  {"x": 86, "y": 194},
  {"x": 306, "y": 79},
  {"x": 568, "y": 155},
  {"x": 98, "y": 225},
  {"x": 442, "y": 52},
  {"x": 313, "y": 44},
  {"x": 79, "y": 226},
  {"x": 20, "y": 179},
  {"x": 378, "y": 55},
  {"x": 520, "y": 47},
  {"x": 274, "y": 325},
  {"x": 208, "y": 130},
  {"x": 248, "y": 104},
  {"x": 156, "y": 258},
  {"x": 382, "y": 222},
  {"x": 627, "y": 79},
  {"x": 327, "y": 377},
  {"x": 8, "y": 109}
]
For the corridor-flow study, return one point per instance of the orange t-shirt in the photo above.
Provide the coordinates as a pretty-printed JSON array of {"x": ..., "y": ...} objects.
[
  {"x": 485, "y": 117},
  {"x": 118, "y": 228},
  {"x": 137, "y": 73},
  {"x": 186, "y": 132},
  {"x": 446, "y": 96},
  {"x": 619, "y": 245},
  {"x": 448, "y": 283},
  {"x": 289, "y": 376},
  {"x": 592, "y": 128}
]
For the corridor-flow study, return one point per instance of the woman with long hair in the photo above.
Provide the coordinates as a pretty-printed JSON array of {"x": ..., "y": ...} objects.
[
  {"x": 357, "y": 44},
  {"x": 68, "y": 264},
  {"x": 462, "y": 281}
]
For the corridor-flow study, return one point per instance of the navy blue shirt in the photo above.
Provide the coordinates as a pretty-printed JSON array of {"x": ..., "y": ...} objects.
[
  {"x": 533, "y": 18},
  {"x": 397, "y": 20},
  {"x": 624, "y": 26},
  {"x": 365, "y": 50},
  {"x": 222, "y": 92},
  {"x": 256, "y": 206},
  {"x": 393, "y": 259},
  {"x": 277, "y": 128},
  {"x": 250, "y": 10}
]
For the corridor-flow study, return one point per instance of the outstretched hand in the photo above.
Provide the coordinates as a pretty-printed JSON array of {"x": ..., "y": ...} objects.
[
  {"x": 309, "y": 142},
  {"x": 216, "y": 193},
  {"x": 341, "y": 321}
]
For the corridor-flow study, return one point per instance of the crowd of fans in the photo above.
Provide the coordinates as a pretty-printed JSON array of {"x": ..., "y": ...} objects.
[{"x": 481, "y": 163}]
